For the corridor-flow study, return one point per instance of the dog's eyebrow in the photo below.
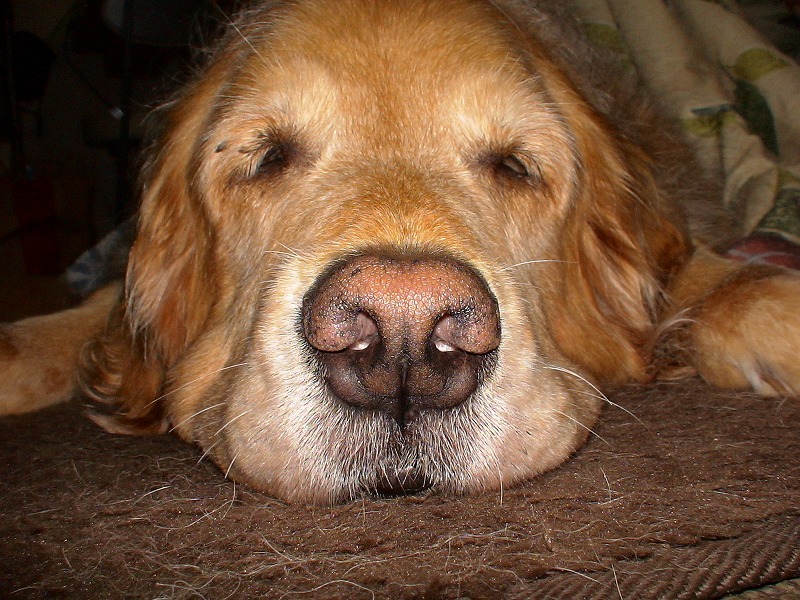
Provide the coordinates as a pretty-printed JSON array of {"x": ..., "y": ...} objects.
[{"x": 267, "y": 137}]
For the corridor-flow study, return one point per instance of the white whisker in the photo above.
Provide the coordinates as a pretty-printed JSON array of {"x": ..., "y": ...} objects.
[
  {"x": 199, "y": 412},
  {"x": 206, "y": 452},
  {"x": 195, "y": 380},
  {"x": 584, "y": 426},
  {"x": 600, "y": 395},
  {"x": 230, "y": 466},
  {"x": 244, "y": 38},
  {"x": 535, "y": 262},
  {"x": 280, "y": 253},
  {"x": 290, "y": 250},
  {"x": 239, "y": 416}
]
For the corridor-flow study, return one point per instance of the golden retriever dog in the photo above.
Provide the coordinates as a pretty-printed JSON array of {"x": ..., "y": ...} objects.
[{"x": 398, "y": 245}]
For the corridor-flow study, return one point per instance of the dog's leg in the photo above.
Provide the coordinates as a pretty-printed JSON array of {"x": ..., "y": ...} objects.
[
  {"x": 740, "y": 323},
  {"x": 38, "y": 355}
]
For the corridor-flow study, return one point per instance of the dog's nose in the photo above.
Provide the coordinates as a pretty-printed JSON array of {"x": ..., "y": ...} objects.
[{"x": 402, "y": 334}]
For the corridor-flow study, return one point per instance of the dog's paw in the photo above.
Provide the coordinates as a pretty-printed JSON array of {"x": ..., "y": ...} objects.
[
  {"x": 746, "y": 333},
  {"x": 37, "y": 363},
  {"x": 38, "y": 355}
]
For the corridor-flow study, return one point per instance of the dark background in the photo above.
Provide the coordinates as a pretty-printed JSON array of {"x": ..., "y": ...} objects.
[{"x": 77, "y": 79}]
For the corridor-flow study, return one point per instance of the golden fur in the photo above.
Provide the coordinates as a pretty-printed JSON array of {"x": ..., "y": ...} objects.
[{"x": 478, "y": 131}]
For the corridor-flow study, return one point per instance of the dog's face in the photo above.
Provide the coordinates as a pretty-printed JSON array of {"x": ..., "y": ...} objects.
[{"x": 384, "y": 246}]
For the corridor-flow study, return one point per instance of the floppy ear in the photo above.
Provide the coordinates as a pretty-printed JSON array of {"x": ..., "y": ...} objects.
[
  {"x": 170, "y": 285},
  {"x": 620, "y": 249},
  {"x": 121, "y": 384}
]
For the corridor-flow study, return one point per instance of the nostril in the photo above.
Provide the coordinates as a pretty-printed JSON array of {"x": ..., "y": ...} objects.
[
  {"x": 443, "y": 336},
  {"x": 329, "y": 329},
  {"x": 365, "y": 331},
  {"x": 468, "y": 332}
]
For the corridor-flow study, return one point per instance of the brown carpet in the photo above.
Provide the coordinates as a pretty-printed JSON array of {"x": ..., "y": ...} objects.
[{"x": 695, "y": 494}]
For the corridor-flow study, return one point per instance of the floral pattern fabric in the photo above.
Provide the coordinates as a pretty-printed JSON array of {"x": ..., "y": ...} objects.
[{"x": 736, "y": 96}]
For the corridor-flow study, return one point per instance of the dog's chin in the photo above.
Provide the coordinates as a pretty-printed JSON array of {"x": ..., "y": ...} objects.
[
  {"x": 401, "y": 467},
  {"x": 350, "y": 454}
]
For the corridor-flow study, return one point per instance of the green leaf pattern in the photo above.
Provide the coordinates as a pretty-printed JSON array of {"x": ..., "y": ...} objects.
[
  {"x": 708, "y": 121},
  {"x": 754, "y": 63}
]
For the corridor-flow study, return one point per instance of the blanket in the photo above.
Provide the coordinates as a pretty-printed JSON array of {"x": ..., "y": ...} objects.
[{"x": 736, "y": 96}]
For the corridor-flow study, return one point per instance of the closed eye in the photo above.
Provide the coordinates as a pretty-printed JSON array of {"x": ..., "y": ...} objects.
[
  {"x": 512, "y": 167},
  {"x": 268, "y": 154},
  {"x": 274, "y": 158}
]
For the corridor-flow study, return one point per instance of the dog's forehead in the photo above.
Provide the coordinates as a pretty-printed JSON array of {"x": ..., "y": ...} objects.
[
  {"x": 349, "y": 35},
  {"x": 398, "y": 61}
]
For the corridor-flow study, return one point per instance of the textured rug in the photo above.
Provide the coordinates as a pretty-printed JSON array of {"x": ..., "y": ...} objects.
[{"x": 683, "y": 492}]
